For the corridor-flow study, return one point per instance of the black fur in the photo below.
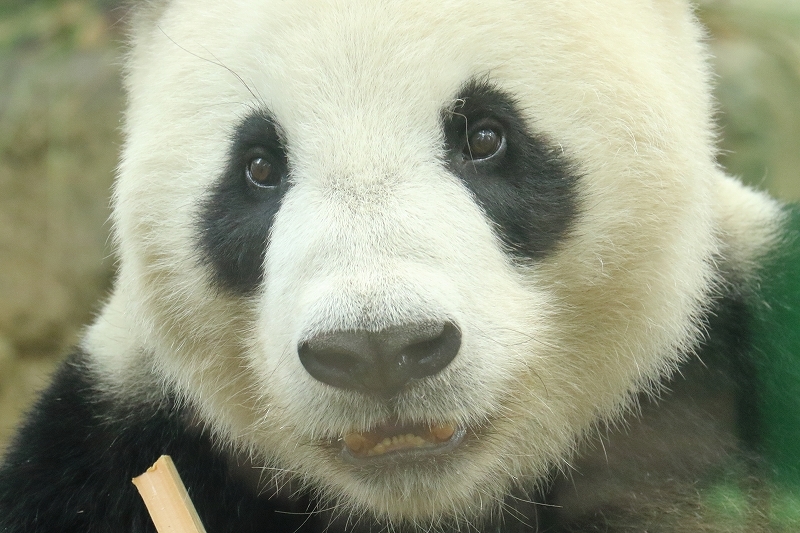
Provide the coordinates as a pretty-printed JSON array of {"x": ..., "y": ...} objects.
[
  {"x": 530, "y": 191},
  {"x": 236, "y": 217},
  {"x": 70, "y": 468}
]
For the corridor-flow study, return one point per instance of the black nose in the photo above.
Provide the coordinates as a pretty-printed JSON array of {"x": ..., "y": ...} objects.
[{"x": 380, "y": 362}]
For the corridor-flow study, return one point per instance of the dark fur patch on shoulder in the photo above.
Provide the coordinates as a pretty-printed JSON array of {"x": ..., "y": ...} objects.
[{"x": 70, "y": 467}]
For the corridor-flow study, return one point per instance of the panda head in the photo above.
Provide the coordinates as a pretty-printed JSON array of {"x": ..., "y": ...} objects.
[{"x": 409, "y": 252}]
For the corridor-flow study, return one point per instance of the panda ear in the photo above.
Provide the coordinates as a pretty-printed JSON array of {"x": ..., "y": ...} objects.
[
  {"x": 148, "y": 6},
  {"x": 144, "y": 14},
  {"x": 677, "y": 18}
]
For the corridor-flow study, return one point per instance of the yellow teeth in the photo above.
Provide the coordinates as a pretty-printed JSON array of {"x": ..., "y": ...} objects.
[
  {"x": 377, "y": 442},
  {"x": 356, "y": 442},
  {"x": 398, "y": 442},
  {"x": 443, "y": 433}
]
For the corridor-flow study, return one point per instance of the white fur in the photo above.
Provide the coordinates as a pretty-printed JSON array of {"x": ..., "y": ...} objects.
[{"x": 376, "y": 232}]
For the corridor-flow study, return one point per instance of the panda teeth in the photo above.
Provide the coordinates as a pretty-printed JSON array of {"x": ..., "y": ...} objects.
[
  {"x": 357, "y": 442},
  {"x": 398, "y": 442},
  {"x": 372, "y": 443},
  {"x": 443, "y": 433}
]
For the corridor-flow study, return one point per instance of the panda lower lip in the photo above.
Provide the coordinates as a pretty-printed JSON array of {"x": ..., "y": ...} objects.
[{"x": 391, "y": 439}]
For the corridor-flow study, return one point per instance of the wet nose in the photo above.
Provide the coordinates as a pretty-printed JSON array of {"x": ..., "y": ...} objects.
[{"x": 380, "y": 362}]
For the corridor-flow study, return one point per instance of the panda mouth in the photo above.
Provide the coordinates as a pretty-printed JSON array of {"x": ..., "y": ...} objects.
[{"x": 394, "y": 440}]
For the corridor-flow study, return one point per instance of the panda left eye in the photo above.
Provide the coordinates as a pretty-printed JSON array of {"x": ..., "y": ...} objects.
[
  {"x": 484, "y": 142},
  {"x": 261, "y": 173}
]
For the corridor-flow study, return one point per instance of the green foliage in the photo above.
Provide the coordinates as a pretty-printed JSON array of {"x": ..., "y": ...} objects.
[{"x": 776, "y": 345}]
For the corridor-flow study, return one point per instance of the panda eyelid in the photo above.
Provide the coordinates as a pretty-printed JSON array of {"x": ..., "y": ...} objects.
[
  {"x": 257, "y": 151},
  {"x": 274, "y": 154},
  {"x": 488, "y": 120}
]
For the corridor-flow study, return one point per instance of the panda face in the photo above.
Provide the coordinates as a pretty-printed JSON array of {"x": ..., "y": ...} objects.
[{"x": 477, "y": 228}]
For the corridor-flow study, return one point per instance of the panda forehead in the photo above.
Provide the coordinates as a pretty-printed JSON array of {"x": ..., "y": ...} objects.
[
  {"x": 369, "y": 87},
  {"x": 318, "y": 65},
  {"x": 368, "y": 80}
]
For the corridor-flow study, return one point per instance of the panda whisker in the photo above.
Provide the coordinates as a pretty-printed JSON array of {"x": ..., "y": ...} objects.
[
  {"x": 308, "y": 514},
  {"x": 528, "y": 338},
  {"x": 516, "y": 514},
  {"x": 216, "y": 62},
  {"x": 533, "y": 502}
]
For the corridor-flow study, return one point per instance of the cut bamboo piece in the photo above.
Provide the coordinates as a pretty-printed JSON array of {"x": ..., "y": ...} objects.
[{"x": 166, "y": 499}]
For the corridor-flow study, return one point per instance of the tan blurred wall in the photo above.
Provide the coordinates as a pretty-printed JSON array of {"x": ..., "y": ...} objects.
[{"x": 60, "y": 104}]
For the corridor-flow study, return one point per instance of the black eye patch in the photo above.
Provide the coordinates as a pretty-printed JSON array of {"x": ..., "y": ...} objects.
[
  {"x": 524, "y": 185},
  {"x": 236, "y": 216}
]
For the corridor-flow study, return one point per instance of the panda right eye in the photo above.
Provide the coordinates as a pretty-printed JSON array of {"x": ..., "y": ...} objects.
[{"x": 262, "y": 174}]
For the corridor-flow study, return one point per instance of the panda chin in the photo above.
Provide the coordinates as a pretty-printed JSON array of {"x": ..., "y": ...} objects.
[{"x": 393, "y": 441}]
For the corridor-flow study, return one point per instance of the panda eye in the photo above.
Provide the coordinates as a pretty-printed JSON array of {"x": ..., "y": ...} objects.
[
  {"x": 260, "y": 173},
  {"x": 484, "y": 142}
]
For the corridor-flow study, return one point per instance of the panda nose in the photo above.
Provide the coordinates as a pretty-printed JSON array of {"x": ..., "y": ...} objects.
[{"x": 380, "y": 362}]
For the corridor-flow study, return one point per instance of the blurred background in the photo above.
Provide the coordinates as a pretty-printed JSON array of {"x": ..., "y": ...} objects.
[{"x": 60, "y": 109}]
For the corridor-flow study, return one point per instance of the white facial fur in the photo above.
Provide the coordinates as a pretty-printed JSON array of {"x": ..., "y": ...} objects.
[{"x": 376, "y": 232}]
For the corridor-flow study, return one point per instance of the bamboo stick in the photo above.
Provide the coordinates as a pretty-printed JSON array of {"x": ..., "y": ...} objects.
[{"x": 166, "y": 499}]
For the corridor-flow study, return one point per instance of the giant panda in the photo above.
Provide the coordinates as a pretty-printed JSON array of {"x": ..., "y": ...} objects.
[{"x": 429, "y": 267}]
